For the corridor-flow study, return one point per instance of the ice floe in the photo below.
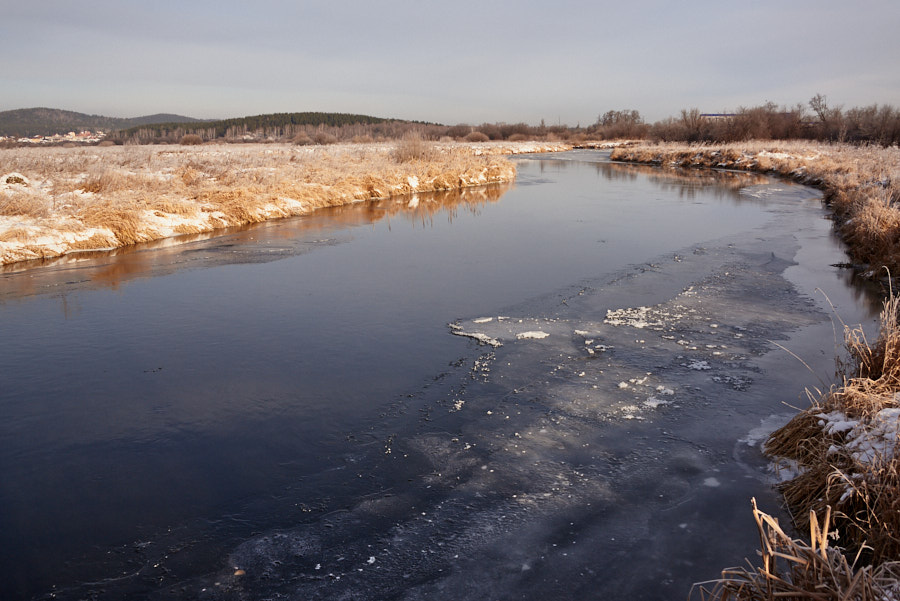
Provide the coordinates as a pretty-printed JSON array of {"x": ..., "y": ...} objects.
[{"x": 536, "y": 334}]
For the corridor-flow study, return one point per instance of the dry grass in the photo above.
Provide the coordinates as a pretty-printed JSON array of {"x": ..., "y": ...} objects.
[
  {"x": 792, "y": 569},
  {"x": 413, "y": 148},
  {"x": 57, "y": 200},
  {"x": 861, "y": 185}
]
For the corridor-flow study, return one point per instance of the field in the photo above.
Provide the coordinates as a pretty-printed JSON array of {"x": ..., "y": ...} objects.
[{"x": 56, "y": 201}]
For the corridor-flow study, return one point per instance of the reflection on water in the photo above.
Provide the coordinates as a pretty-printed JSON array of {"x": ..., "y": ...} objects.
[
  {"x": 684, "y": 182},
  {"x": 250, "y": 243}
]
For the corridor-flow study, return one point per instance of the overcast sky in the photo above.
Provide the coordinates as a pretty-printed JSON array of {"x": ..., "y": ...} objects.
[{"x": 450, "y": 62}]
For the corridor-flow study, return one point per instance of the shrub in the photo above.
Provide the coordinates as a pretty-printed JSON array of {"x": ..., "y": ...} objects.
[
  {"x": 191, "y": 140},
  {"x": 322, "y": 138},
  {"x": 476, "y": 136},
  {"x": 302, "y": 139},
  {"x": 412, "y": 147},
  {"x": 459, "y": 131}
]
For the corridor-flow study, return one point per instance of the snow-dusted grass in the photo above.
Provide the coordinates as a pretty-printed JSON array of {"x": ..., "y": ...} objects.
[
  {"x": 861, "y": 185},
  {"x": 55, "y": 201}
]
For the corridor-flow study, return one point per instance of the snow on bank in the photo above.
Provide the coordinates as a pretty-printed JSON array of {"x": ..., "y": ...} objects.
[
  {"x": 870, "y": 441},
  {"x": 109, "y": 197}
]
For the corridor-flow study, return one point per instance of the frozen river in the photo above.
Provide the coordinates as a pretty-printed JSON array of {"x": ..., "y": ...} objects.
[{"x": 550, "y": 391}]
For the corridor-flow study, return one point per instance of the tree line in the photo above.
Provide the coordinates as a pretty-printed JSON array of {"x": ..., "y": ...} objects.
[{"x": 816, "y": 120}]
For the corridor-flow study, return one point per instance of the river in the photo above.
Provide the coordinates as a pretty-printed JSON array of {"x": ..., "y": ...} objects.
[{"x": 554, "y": 389}]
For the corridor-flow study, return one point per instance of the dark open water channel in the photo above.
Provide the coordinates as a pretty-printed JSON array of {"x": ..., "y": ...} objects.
[{"x": 288, "y": 403}]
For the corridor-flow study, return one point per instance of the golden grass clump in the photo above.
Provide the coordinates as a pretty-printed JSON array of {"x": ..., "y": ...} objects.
[
  {"x": 411, "y": 147},
  {"x": 847, "y": 446},
  {"x": 792, "y": 569},
  {"x": 124, "y": 222},
  {"x": 23, "y": 203}
]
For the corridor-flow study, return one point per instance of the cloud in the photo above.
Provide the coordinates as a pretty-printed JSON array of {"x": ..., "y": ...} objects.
[{"x": 461, "y": 61}]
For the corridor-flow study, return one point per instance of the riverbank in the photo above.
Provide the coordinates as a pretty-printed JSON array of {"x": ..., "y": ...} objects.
[
  {"x": 56, "y": 201},
  {"x": 843, "y": 452},
  {"x": 842, "y": 458},
  {"x": 861, "y": 185}
]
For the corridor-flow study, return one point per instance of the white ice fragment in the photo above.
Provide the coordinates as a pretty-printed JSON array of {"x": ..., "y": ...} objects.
[
  {"x": 654, "y": 403},
  {"x": 638, "y": 317},
  {"x": 712, "y": 482},
  {"x": 483, "y": 320},
  {"x": 764, "y": 429},
  {"x": 481, "y": 338},
  {"x": 537, "y": 335},
  {"x": 371, "y": 560}
]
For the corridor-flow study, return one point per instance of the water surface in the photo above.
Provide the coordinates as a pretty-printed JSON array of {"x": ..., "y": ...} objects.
[{"x": 288, "y": 399}]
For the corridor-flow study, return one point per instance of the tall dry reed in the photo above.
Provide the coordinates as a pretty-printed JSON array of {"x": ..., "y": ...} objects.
[{"x": 794, "y": 570}]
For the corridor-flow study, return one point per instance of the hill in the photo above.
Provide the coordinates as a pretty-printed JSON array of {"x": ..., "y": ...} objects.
[
  {"x": 273, "y": 125},
  {"x": 47, "y": 121}
]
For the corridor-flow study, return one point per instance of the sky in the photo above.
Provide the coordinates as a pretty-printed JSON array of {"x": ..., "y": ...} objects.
[{"x": 455, "y": 61}]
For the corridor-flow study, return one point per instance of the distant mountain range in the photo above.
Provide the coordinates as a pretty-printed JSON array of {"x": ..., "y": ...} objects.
[{"x": 47, "y": 122}]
